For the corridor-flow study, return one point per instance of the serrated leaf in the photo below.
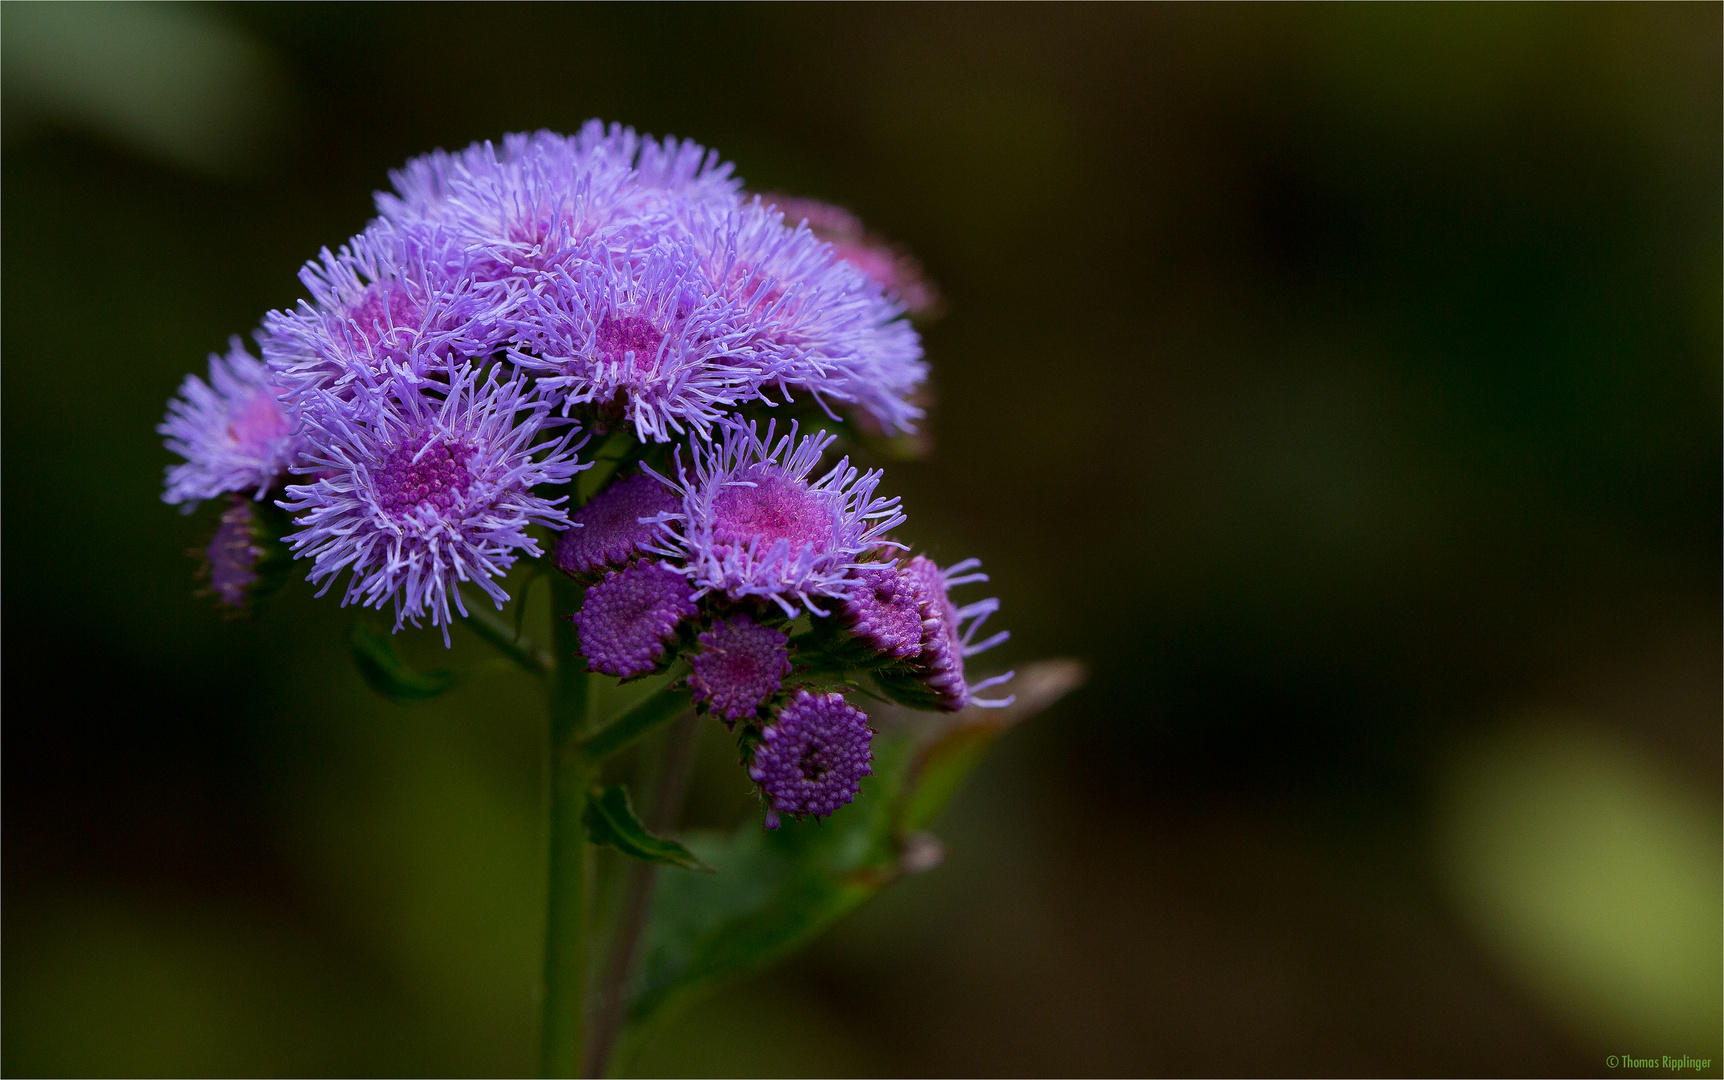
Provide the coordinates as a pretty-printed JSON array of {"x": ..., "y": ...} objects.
[
  {"x": 611, "y": 822},
  {"x": 775, "y": 890},
  {"x": 385, "y": 672}
]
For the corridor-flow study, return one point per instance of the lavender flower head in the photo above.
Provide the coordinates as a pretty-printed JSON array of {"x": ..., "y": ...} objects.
[
  {"x": 740, "y": 664},
  {"x": 527, "y": 204},
  {"x": 389, "y": 304},
  {"x": 948, "y": 634},
  {"x": 752, "y": 524},
  {"x": 638, "y": 335},
  {"x": 236, "y": 432},
  {"x": 417, "y": 492},
  {"x": 628, "y": 619},
  {"x": 812, "y": 758},
  {"x": 841, "y": 337},
  {"x": 517, "y": 208},
  {"x": 608, "y": 531}
]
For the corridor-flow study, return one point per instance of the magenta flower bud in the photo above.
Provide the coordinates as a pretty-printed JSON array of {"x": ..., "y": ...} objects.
[
  {"x": 629, "y": 618},
  {"x": 609, "y": 531},
  {"x": 948, "y": 633},
  {"x": 884, "y": 610},
  {"x": 233, "y": 554},
  {"x": 740, "y": 664},
  {"x": 811, "y": 759}
]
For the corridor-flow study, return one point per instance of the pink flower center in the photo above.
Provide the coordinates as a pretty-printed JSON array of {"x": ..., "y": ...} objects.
[
  {"x": 617, "y": 337},
  {"x": 385, "y": 311},
  {"x": 257, "y": 424},
  {"x": 775, "y": 508},
  {"x": 437, "y": 478}
]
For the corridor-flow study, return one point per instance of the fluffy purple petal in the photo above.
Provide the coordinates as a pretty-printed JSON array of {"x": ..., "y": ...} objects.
[
  {"x": 638, "y": 336},
  {"x": 419, "y": 491},
  {"x": 236, "y": 432},
  {"x": 752, "y": 523}
]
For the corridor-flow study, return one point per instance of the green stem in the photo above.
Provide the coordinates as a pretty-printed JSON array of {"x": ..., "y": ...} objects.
[
  {"x": 494, "y": 632},
  {"x": 621, "y": 733},
  {"x": 670, "y": 790},
  {"x": 567, "y": 902}
]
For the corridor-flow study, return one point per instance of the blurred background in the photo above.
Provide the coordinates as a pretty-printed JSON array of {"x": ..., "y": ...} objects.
[{"x": 1342, "y": 383}]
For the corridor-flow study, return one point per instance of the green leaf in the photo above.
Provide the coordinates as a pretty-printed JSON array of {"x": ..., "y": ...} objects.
[
  {"x": 611, "y": 822},
  {"x": 940, "y": 769},
  {"x": 906, "y": 688},
  {"x": 825, "y": 646},
  {"x": 775, "y": 890},
  {"x": 385, "y": 672}
]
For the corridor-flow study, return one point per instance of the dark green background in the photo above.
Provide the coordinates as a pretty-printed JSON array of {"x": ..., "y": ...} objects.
[{"x": 1341, "y": 382}]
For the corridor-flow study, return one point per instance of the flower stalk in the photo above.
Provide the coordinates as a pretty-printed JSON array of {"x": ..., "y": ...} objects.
[
  {"x": 568, "y": 898},
  {"x": 676, "y": 764},
  {"x": 520, "y": 651}
]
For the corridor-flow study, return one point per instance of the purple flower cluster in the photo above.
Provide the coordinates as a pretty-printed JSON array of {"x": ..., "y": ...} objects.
[
  {"x": 422, "y": 413},
  {"x": 507, "y": 299}
]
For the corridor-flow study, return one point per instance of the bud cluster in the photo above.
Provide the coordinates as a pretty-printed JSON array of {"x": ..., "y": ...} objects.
[{"x": 779, "y": 588}]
